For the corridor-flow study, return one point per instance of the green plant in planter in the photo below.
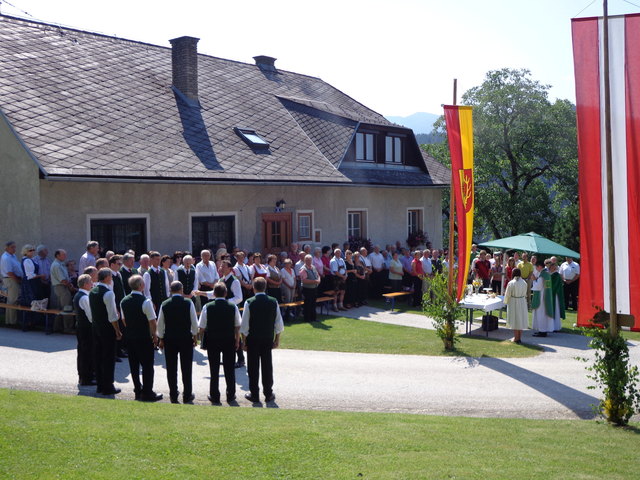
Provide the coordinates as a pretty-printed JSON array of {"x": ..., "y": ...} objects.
[
  {"x": 444, "y": 309},
  {"x": 612, "y": 373}
]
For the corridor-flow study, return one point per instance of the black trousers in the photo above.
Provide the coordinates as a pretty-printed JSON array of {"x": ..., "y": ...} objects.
[
  {"x": 104, "y": 347},
  {"x": 141, "y": 355},
  {"x": 377, "y": 282},
  {"x": 417, "y": 291},
  {"x": 86, "y": 370},
  {"x": 226, "y": 347},
  {"x": 309, "y": 307},
  {"x": 259, "y": 357},
  {"x": 184, "y": 348},
  {"x": 571, "y": 295}
]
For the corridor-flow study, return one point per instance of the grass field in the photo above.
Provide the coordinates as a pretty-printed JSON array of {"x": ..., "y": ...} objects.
[
  {"x": 55, "y": 436},
  {"x": 340, "y": 334}
]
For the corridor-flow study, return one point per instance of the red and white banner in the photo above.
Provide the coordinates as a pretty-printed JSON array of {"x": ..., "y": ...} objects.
[{"x": 624, "y": 68}]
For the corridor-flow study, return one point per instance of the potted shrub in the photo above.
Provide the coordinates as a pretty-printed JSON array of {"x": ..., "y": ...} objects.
[{"x": 444, "y": 309}]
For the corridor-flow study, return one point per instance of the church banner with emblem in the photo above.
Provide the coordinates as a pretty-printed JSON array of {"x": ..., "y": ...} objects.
[{"x": 460, "y": 135}]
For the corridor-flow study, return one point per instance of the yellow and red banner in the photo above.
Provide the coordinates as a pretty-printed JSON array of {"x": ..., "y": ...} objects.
[{"x": 460, "y": 135}]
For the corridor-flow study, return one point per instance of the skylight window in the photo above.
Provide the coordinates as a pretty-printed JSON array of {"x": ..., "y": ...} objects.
[{"x": 251, "y": 138}]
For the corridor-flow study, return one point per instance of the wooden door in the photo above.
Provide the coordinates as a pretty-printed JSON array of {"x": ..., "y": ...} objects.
[{"x": 276, "y": 232}]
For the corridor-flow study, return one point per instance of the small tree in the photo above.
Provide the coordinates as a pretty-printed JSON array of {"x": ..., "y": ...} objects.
[
  {"x": 611, "y": 372},
  {"x": 443, "y": 308}
]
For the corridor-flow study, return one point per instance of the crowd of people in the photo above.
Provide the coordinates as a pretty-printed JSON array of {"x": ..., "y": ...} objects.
[{"x": 127, "y": 306}]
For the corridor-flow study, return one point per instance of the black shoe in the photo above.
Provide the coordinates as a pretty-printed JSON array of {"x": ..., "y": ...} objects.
[
  {"x": 239, "y": 365},
  {"x": 174, "y": 400},
  {"x": 113, "y": 391},
  {"x": 270, "y": 398},
  {"x": 138, "y": 395},
  {"x": 188, "y": 398},
  {"x": 214, "y": 400},
  {"x": 540, "y": 334},
  {"x": 231, "y": 398},
  {"x": 151, "y": 397},
  {"x": 251, "y": 398},
  {"x": 118, "y": 360}
]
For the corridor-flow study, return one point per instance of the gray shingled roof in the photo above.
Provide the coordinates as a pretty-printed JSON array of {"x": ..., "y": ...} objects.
[{"x": 97, "y": 106}]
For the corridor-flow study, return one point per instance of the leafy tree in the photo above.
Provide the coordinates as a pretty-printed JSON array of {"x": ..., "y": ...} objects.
[{"x": 525, "y": 155}]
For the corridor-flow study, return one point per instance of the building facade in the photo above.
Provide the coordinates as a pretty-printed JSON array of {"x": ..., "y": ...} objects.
[{"x": 146, "y": 147}]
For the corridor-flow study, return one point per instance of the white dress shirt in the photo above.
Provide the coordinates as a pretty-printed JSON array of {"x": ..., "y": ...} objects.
[
  {"x": 376, "y": 260},
  {"x": 84, "y": 304},
  {"x": 147, "y": 307},
  {"x": 244, "y": 327},
  {"x": 109, "y": 300},
  {"x": 338, "y": 266},
  {"x": 569, "y": 271},
  {"x": 147, "y": 282},
  {"x": 242, "y": 272},
  {"x": 192, "y": 314},
  {"x": 203, "y": 315},
  {"x": 236, "y": 290},
  {"x": 207, "y": 273},
  {"x": 86, "y": 260},
  {"x": 426, "y": 266},
  {"x": 29, "y": 268}
]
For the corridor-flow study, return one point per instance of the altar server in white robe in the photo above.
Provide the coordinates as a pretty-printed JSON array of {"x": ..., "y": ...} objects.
[{"x": 515, "y": 298}]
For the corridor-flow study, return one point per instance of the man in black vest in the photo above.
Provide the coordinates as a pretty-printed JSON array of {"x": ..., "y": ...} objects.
[
  {"x": 221, "y": 320},
  {"x": 127, "y": 271},
  {"x": 117, "y": 284},
  {"x": 140, "y": 318},
  {"x": 186, "y": 274},
  {"x": 261, "y": 328},
  {"x": 156, "y": 283},
  {"x": 84, "y": 332},
  {"x": 104, "y": 319},
  {"x": 177, "y": 331}
]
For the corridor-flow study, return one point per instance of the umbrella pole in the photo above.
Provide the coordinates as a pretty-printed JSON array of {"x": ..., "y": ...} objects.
[
  {"x": 452, "y": 208},
  {"x": 613, "y": 306}
]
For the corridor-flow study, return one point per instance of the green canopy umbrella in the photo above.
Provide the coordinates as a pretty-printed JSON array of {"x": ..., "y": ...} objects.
[{"x": 532, "y": 242}]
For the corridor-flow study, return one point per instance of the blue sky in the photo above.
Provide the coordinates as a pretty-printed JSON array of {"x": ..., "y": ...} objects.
[{"x": 397, "y": 57}]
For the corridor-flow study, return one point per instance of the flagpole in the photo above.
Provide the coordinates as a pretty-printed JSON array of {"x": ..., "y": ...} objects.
[
  {"x": 613, "y": 306},
  {"x": 452, "y": 206}
]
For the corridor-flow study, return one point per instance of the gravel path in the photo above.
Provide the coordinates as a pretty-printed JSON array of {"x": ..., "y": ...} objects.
[{"x": 552, "y": 385}]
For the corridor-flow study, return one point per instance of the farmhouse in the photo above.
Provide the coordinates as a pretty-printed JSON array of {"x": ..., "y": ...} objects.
[{"x": 144, "y": 146}]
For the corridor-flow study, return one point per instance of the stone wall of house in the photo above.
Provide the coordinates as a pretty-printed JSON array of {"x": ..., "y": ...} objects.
[
  {"x": 67, "y": 208},
  {"x": 19, "y": 191}
]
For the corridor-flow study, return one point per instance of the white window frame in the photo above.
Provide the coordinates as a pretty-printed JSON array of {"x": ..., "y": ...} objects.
[
  {"x": 212, "y": 214},
  {"x": 421, "y": 222},
  {"x": 366, "y": 220},
  {"x": 311, "y": 225},
  {"x": 116, "y": 216}
]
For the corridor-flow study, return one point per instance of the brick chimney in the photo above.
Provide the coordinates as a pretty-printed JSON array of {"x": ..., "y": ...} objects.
[
  {"x": 184, "y": 59},
  {"x": 266, "y": 63}
]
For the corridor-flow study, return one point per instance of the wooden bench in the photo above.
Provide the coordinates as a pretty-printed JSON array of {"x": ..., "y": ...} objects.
[
  {"x": 47, "y": 312},
  {"x": 391, "y": 297}
]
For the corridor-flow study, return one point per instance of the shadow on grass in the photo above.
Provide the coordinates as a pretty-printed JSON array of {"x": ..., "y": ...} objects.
[
  {"x": 578, "y": 402},
  {"x": 461, "y": 352}
]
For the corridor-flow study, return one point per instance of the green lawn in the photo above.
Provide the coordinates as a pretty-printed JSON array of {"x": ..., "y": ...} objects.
[
  {"x": 340, "y": 334},
  {"x": 56, "y": 436}
]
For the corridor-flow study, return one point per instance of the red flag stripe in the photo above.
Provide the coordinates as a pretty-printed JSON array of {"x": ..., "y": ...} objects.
[
  {"x": 632, "y": 106},
  {"x": 586, "y": 61}
]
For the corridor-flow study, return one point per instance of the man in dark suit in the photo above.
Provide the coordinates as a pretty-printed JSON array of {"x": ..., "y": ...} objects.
[
  {"x": 140, "y": 318},
  {"x": 221, "y": 320},
  {"x": 104, "y": 318},
  {"x": 115, "y": 264},
  {"x": 84, "y": 332},
  {"x": 177, "y": 331},
  {"x": 127, "y": 271},
  {"x": 261, "y": 328}
]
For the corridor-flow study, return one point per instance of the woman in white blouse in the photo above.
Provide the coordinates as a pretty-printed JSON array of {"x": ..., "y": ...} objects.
[{"x": 258, "y": 269}]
